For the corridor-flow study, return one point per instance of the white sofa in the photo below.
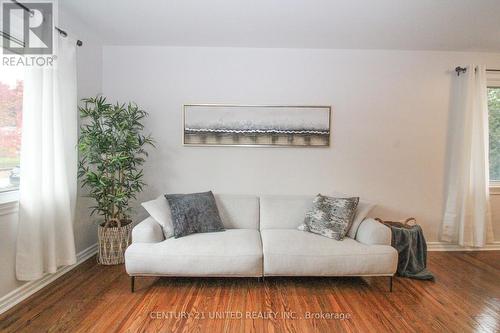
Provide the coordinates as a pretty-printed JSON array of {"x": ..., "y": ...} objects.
[{"x": 261, "y": 240}]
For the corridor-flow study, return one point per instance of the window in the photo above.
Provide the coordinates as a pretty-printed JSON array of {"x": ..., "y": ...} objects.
[{"x": 11, "y": 106}]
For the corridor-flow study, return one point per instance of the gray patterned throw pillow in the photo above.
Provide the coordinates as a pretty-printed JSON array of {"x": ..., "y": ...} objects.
[
  {"x": 330, "y": 217},
  {"x": 194, "y": 213}
]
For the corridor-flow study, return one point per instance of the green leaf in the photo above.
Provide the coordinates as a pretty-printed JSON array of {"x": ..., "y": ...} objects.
[{"x": 112, "y": 151}]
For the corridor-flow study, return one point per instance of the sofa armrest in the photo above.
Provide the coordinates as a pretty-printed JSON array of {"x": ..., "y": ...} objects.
[
  {"x": 147, "y": 231},
  {"x": 371, "y": 232}
]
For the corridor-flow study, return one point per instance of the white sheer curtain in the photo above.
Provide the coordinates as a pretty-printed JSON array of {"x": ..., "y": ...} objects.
[
  {"x": 49, "y": 157},
  {"x": 467, "y": 218}
]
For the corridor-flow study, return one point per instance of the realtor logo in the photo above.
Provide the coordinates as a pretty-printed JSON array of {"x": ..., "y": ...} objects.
[{"x": 29, "y": 30}]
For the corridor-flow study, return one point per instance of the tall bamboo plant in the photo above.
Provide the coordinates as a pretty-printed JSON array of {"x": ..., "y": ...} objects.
[{"x": 112, "y": 149}]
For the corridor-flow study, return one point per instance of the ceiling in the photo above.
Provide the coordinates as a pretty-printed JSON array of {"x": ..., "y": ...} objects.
[{"x": 462, "y": 25}]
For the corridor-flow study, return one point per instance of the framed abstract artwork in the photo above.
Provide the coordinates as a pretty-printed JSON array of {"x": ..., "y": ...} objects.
[{"x": 256, "y": 125}]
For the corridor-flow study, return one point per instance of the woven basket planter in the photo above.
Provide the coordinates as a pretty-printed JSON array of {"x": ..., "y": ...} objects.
[{"x": 112, "y": 244}]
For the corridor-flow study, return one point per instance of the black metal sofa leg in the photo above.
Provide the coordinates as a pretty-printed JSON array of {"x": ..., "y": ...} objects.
[
  {"x": 390, "y": 284},
  {"x": 132, "y": 283}
]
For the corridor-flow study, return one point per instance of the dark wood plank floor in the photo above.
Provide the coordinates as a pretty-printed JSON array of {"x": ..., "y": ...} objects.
[{"x": 93, "y": 298}]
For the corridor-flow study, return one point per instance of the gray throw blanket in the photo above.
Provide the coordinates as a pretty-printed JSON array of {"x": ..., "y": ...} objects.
[{"x": 412, "y": 249}]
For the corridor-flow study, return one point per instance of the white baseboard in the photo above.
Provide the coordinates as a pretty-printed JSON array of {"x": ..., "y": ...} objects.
[
  {"x": 443, "y": 246},
  {"x": 29, "y": 288}
]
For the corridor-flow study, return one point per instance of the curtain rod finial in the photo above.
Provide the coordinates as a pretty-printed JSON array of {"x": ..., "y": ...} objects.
[{"x": 459, "y": 70}]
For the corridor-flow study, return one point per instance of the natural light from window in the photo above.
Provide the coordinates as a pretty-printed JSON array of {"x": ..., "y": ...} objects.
[
  {"x": 494, "y": 129},
  {"x": 11, "y": 106}
]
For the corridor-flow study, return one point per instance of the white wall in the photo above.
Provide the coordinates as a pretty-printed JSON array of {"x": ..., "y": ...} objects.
[
  {"x": 89, "y": 70},
  {"x": 389, "y": 123}
]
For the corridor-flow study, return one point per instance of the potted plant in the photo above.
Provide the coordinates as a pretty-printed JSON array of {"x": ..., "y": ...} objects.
[{"x": 112, "y": 151}]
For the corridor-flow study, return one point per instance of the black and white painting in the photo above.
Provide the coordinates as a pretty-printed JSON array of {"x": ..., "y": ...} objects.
[{"x": 250, "y": 125}]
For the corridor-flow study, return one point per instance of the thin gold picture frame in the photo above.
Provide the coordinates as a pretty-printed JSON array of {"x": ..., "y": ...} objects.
[{"x": 327, "y": 145}]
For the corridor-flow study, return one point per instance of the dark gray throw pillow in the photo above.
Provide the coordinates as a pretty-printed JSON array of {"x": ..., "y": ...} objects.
[
  {"x": 330, "y": 217},
  {"x": 194, "y": 213}
]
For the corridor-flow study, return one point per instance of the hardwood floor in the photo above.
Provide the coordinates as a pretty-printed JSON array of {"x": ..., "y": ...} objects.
[{"x": 93, "y": 298}]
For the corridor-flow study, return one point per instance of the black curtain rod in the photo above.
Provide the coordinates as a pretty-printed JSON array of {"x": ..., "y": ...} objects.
[
  {"x": 61, "y": 31},
  {"x": 459, "y": 70}
]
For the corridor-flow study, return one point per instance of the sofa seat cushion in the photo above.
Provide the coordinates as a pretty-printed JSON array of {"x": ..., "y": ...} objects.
[
  {"x": 298, "y": 253},
  {"x": 234, "y": 252}
]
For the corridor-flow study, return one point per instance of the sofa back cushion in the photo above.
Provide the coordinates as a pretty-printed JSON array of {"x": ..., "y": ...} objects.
[
  {"x": 289, "y": 211},
  {"x": 238, "y": 211},
  {"x": 284, "y": 211}
]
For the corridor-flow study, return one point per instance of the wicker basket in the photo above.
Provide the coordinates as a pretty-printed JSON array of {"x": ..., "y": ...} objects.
[
  {"x": 112, "y": 244},
  {"x": 407, "y": 224}
]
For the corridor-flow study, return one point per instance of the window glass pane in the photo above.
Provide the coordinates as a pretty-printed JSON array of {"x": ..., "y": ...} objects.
[
  {"x": 11, "y": 105},
  {"x": 494, "y": 129}
]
